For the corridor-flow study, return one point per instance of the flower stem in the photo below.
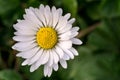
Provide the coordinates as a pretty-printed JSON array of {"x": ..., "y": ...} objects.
[{"x": 87, "y": 30}]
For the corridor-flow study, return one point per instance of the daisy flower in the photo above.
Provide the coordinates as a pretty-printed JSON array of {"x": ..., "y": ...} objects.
[{"x": 45, "y": 37}]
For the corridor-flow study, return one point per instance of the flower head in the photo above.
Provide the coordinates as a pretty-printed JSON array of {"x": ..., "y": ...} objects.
[{"x": 45, "y": 37}]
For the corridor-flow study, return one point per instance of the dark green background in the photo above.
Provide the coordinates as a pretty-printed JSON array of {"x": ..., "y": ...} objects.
[{"x": 99, "y": 56}]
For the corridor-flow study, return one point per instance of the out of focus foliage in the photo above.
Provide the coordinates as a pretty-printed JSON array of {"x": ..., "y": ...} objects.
[{"x": 99, "y": 56}]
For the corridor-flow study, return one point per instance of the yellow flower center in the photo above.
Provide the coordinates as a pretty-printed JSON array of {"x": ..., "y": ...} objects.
[{"x": 46, "y": 37}]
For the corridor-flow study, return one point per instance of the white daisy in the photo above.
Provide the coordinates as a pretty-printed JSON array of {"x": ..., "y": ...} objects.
[{"x": 45, "y": 37}]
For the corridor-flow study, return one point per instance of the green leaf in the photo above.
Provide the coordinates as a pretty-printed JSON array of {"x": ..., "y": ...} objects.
[
  {"x": 33, "y": 3},
  {"x": 82, "y": 24},
  {"x": 7, "y": 6},
  {"x": 103, "y": 38},
  {"x": 93, "y": 9},
  {"x": 110, "y": 8},
  {"x": 36, "y": 75},
  {"x": 9, "y": 75},
  {"x": 89, "y": 66},
  {"x": 84, "y": 67},
  {"x": 104, "y": 53},
  {"x": 9, "y": 11},
  {"x": 103, "y": 9},
  {"x": 113, "y": 25},
  {"x": 70, "y": 6}
]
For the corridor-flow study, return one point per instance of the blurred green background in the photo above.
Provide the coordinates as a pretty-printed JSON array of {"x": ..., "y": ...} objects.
[{"x": 99, "y": 56}]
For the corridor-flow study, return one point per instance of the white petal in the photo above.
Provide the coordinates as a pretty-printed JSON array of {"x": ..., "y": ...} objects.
[
  {"x": 66, "y": 57},
  {"x": 76, "y": 41},
  {"x": 63, "y": 63},
  {"x": 25, "y": 25},
  {"x": 65, "y": 44},
  {"x": 36, "y": 57},
  {"x": 60, "y": 11},
  {"x": 50, "y": 19},
  {"x": 36, "y": 65},
  {"x": 39, "y": 62},
  {"x": 45, "y": 57},
  {"x": 30, "y": 15},
  {"x": 65, "y": 36},
  {"x": 25, "y": 33},
  {"x": 25, "y": 62},
  {"x": 74, "y": 51},
  {"x": 61, "y": 24},
  {"x": 59, "y": 51},
  {"x": 40, "y": 14},
  {"x": 41, "y": 7},
  {"x": 65, "y": 29},
  {"x": 74, "y": 34},
  {"x": 33, "y": 68},
  {"x": 23, "y": 38},
  {"x": 67, "y": 16},
  {"x": 55, "y": 16},
  {"x": 47, "y": 14},
  {"x": 55, "y": 67},
  {"x": 28, "y": 54},
  {"x": 49, "y": 71},
  {"x": 55, "y": 57},
  {"x": 74, "y": 29},
  {"x": 45, "y": 70},
  {"x": 51, "y": 58},
  {"x": 29, "y": 18},
  {"x": 69, "y": 53},
  {"x": 71, "y": 21},
  {"x": 23, "y": 46}
]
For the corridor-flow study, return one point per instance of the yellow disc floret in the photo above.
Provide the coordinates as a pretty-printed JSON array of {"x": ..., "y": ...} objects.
[{"x": 46, "y": 37}]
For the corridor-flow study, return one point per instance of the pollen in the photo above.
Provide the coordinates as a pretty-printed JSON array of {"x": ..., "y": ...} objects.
[{"x": 46, "y": 37}]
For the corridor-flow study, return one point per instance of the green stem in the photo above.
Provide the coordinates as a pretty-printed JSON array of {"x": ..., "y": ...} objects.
[{"x": 87, "y": 30}]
